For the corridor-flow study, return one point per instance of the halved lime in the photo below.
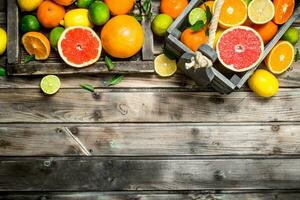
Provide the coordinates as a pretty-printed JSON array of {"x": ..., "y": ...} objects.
[
  {"x": 50, "y": 84},
  {"x": 164, "y": 66},
  {"x": 197, "y": 14}
]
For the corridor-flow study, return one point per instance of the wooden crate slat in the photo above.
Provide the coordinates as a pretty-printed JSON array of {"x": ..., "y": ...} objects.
[{"x": 149, "y": 139}]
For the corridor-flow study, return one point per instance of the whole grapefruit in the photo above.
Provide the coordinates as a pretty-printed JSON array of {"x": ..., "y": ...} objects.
[{"x": 122, "y": 36}]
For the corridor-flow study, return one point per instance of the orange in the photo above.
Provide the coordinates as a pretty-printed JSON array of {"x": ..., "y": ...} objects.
[
  {"x": 281, "y": 57},
  {"x": 120, "y": 7},
  {"x": 36, "y": 44},
  {"x": 122, "y": 36},
  {"x": 50, "y": 14},
  {"x": 283, "y": 10},
  {"x": 233, "y": 13},
  {"x": 173, "y": 7},
  {"x": 266, "y": 31},
  {"x": 210, "y": 4},
  {"x": 194, "y": 40},
  {"x": 64, "y": 2}
]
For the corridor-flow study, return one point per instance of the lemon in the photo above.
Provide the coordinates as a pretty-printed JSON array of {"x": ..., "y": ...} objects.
[
  {"x": 77, "y": 17},
  {"x": 164, "y": 66},
  {"x": 261, "y": 11},
  {"x": 263, "y": 83},
  {"x": 3, "y": 41},
  {"x": 29, "y": 5},
  {"x": 50, "y": 84},
  {"x": 218, "y": 34}
]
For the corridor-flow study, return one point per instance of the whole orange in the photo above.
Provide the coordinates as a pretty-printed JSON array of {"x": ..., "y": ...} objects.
[
  {"x": 192, "y": 39},
  {"x": 122, "y": 36},
  {"x": 173, "y": 7},
  {"x": 50, "y": 14},
  {"x": 120, "y": 7},
  {"x": 64, "y": 2},
  {"x": 266, "y": 31}
]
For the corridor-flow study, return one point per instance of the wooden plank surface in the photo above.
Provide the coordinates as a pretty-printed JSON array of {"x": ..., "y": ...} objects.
[
  {"x": 149, "y": 139},
  {"x": 104, "y": 174},
  {"x": 136, "y": 196},
  {"x": 77, "y": 105}
]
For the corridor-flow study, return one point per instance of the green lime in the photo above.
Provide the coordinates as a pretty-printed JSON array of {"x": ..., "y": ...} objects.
[
  {"x": 50, "y": 84},
  {"x": 160, "y": 24},
  {"x": 99, "y": 13},
  {"x": 197, "y": 14},
  {"x": 55, "y": 35},
  {"x": 30, "y": 23},
  {"x": 291, "y": 35},
  {"x": 84, "y": 3}
]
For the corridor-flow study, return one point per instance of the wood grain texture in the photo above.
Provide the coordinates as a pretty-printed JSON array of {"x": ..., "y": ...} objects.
[
  {"x": 150, "y": 139},
  {"x": 136, "y": 196},
  {"x": 104, "y": 174},
  {"x": 78, "y": 105}
]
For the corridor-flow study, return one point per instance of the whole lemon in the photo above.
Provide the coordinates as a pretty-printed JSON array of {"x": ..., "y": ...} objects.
[
  {"x": 77, "y": 17},
  {"x": 263, "y": 83},
  {"x": 29, "y": 5},
  {"x": 3, "y": 41}
]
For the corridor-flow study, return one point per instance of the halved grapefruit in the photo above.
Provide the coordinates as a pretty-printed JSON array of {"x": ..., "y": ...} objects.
[
  {"x": 79, "y": 46},
  {"x": 240, "y": 48}
]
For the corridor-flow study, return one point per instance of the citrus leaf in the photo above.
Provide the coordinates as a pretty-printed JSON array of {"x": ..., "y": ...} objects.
[
  {"x": 207, "y": 32},
  {"x": 297, "y": 55},
  {"x": 139, "y": 17},
  {"x": 88, "y": 87},
  {"x": 198, "y": 26},
  {"x": 2, "y": 71},
  {"x": 29, "y": 58},
  {"x": 147, "y": 8},
  {"x": 109, "y": 63},
  {"x": 208, "y": 13},
  {"x": 116, "y": 79}
]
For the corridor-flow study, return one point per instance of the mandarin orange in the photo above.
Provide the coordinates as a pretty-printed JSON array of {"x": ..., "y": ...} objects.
[
  {"x": 50, "y": 14},
  {"x": 118, "y": 7},
  {"x": 173, "y": 8},
  {"x": 194, "y": 40}
]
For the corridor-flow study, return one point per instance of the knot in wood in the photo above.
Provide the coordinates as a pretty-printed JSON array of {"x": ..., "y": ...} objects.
[
  {"x": 275, "y": 128},
  {"x": 47, "y": 163},
  {"x": 96, "y": 95},
  {"x": 59, "y": 131},
  {"x": 123, "y": 109},
  {"x": 219, "y": 175}
]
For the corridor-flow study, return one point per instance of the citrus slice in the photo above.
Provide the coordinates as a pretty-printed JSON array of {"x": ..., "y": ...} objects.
[
  {"x": 50, "y": 84},
  {"x": 36, "y": 44},
  {"x": 233, "y": 13},
  {"x": 261, "y": 11},
  {"x": 197, "y": 14},
  {"x": 283, "y": 10},
  {"x": 164, "y": 66},
  {"x": 281, "y": 57}
]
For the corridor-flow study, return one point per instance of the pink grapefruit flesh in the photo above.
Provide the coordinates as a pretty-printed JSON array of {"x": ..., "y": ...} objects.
[
  {"x": 79, "y": 46},
  {"x": 240, "y": 48}
]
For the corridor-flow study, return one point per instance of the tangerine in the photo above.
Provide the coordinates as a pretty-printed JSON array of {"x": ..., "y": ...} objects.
[
  {"x": 283, "y": 10},
  {"x": 266, "y": 31},
  {"x": 64, "y": 2},
  {"x": 36, "y": 44},
  {"x": 173, "y": 7},
  {"x": 194, "y": 40},
  {"x": 118, "y": 7},
  {"x": 122, "y": 36},
  {"x": 50, "y": 14}
]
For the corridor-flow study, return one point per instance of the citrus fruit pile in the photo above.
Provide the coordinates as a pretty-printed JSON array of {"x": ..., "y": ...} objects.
[{"x": 72, "y": 28}]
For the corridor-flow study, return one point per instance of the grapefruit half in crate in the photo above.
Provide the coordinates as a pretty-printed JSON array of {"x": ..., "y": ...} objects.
[
  {"x": 240, "y": 48},
  {"x": 79, "y": 46}
]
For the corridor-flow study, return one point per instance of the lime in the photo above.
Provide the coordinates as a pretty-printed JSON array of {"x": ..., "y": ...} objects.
[
  {"x": 30, "y": 23},
  {"x": 3, "y": 41},
  {"x": 84, "y": 3},
  {"x": 99, "y": 13},
  {"x": 197, "y": 14},
  {"x": 263, "y": 83},
  {"x": 164, "y": 66},
  {"x": 55, "y": 35},
  {"x": 160, "y": 24},
  {"x": 29, "y": 5},
  {"x": 77, "y": 17},
  {"x": 291, "y": 35},
  {"x": 50, "y": 84}
]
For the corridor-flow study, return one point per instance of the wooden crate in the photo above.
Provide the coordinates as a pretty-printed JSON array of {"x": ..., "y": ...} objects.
[{"x": 140, "y": 63}]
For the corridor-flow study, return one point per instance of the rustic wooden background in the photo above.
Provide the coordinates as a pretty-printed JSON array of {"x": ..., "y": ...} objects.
[{"x": 147, "y": 138}]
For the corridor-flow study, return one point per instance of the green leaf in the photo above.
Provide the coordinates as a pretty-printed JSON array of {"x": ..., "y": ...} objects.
[
  {"x": 207, "y": 32},
  {"x": 88, "y": 87},
  {"x": 297, "y": 55},
  {"x": 2, "y": 71},
  {"x": 116, "y": 79},
  {"x": 208, "y": 14},
  {"x": 198, "y": 26},
  {"x": 139, "y": 17},
  {"x": 109, "y": 63},
  {"x": 147, "y": 8},
  {"x": 29, "y": 58}
]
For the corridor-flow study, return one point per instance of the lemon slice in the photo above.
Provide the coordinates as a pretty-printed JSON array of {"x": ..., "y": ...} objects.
[
  {"x": 50, "y": 84},
  {"x": 261, "y": 11},
  {"x": 164, "y": 66}
]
